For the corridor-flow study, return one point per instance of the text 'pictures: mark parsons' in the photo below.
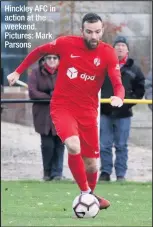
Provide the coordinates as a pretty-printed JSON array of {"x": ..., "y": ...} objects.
[{"x": 40, "y": 35}]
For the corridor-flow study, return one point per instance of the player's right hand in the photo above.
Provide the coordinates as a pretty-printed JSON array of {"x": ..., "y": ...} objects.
[{"x": 13, "y": 77}]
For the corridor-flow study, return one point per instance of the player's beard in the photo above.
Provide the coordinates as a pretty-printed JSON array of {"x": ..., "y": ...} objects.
[{"x": 91, "y": 44}]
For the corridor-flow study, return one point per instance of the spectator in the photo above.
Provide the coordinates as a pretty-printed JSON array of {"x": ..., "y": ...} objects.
[
  {"x": 115, "y": 122},
  {"x": 41, "y": 85},
  {"x": 148, "y": 87}
]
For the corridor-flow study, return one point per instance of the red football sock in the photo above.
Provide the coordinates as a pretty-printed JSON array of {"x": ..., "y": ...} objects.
[
  {"x": 78, "y": 171},
  {"x": 92, "y": 180}
]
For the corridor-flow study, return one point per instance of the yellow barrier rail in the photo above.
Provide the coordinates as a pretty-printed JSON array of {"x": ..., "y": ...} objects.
[{"x": 130, "y": 101}]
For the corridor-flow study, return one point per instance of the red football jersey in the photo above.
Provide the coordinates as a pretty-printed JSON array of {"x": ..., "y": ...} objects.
[{"x": 81, "y": 71}]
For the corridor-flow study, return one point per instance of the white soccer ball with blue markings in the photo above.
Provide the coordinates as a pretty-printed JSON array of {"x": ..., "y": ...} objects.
[{"x": 85, "y": 206}]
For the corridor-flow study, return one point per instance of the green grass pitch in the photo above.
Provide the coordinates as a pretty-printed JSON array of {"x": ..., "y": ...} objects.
[{"x": 34, "y": 203}]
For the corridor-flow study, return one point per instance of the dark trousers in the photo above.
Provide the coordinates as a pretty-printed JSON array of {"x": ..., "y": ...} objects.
[{"x": 52, "y": 150}]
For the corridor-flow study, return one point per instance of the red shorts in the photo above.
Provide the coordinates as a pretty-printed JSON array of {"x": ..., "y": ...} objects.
[{"x": 68, "y": 124}]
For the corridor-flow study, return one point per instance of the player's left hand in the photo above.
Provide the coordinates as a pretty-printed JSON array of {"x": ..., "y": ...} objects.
[{"x": 116, "y": 101}]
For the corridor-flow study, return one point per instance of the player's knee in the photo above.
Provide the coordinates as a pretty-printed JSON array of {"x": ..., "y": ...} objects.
[
  {"x": 91, "y": 168},
  {"x": 73, "y": 144},
  {"x": 91, "y": 165}
]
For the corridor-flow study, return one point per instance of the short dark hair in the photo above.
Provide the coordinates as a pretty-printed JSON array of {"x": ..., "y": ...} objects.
[{"x": 91, "y": 18}]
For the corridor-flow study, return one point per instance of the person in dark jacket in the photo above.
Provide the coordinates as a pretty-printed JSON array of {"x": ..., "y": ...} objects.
[
  {"x": 115, "y": 122},
  {"x": 41, "y": 85}
]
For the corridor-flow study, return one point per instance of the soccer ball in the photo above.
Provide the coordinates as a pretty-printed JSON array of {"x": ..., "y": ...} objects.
[{"x": 85, "y": 206}]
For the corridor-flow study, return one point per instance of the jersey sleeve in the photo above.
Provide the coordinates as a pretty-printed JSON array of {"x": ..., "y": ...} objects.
[
  {"x": 53, "y": 47},
  {"x": 114, "y": 74}
]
